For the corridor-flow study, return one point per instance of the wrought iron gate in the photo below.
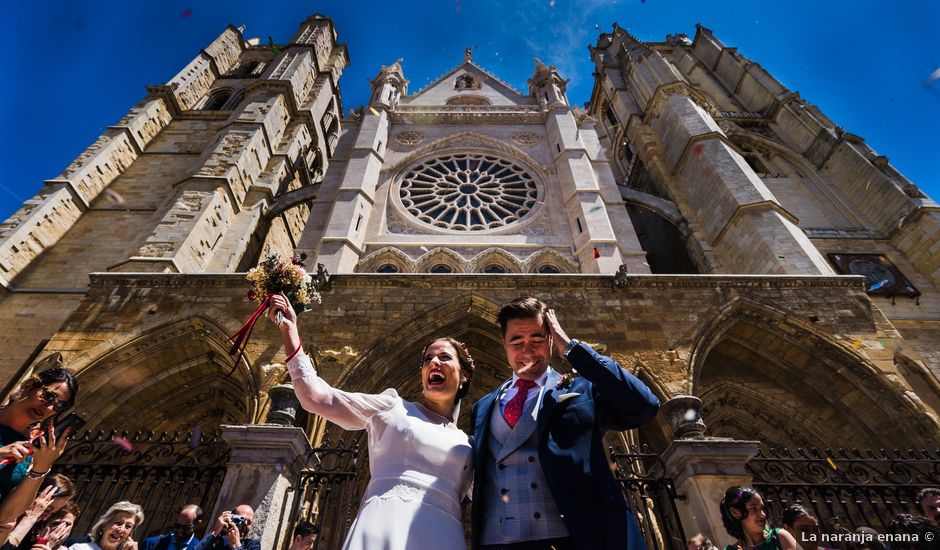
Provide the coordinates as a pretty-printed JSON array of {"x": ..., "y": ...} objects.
[
  {"x": 329, "y": 491},
  {"x": 845, "y": 489},
  {"x": 162, "y": 473},
  {"x": 651, "y": 495}
]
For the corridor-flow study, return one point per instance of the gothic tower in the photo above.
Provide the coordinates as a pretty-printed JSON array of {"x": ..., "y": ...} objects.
[
  {"x": 725, "y": 170},
  {"x": 198, "y": 177}
]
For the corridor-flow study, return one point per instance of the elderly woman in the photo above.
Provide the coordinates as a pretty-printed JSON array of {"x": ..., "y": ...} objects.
[
  {"x": 114, "y": 528},
  {"x": 745, "y": 518},
  {"x": 25, "y": 464},
  {"x": 419, "y": 459}
]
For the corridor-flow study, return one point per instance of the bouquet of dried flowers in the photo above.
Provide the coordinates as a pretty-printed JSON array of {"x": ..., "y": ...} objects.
[{"x": 275, "y": 275}]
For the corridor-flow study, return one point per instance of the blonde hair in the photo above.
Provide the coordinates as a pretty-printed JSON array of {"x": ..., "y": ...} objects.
[{"x": 125, "y": 506}]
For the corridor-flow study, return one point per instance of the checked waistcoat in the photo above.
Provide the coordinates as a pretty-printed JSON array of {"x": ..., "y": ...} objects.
[{"x": 518, "y": 505}]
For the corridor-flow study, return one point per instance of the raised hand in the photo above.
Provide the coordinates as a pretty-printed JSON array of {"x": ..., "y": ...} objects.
[
  {"x": 288, "y": 326},
  {"x": 279, "y": 302},
  {"x": 49, "y": 450},
  {"x": 56, "y": 534},
  {"x": 557, "y": 333},
  {"x": 41, "y": 502}
]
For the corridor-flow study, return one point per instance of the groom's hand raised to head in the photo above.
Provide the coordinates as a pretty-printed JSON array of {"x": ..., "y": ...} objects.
[{"x": 558, "y": 335}]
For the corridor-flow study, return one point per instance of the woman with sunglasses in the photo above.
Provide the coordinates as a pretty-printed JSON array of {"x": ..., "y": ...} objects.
[{"x": 28, "y": 445}]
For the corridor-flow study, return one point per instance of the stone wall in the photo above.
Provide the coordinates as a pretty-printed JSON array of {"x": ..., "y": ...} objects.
[{"x": 675, "y": 332}]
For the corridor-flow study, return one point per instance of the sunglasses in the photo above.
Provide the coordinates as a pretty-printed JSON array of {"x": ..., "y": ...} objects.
[{"x": 49, "y": 397}]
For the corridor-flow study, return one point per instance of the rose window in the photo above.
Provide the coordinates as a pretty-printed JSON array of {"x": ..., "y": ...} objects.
[{"x": 468, "y": 192}]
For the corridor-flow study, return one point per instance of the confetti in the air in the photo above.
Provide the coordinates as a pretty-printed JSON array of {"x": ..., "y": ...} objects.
[
  {"x": 934, "y": 76},
  {"x": 374, "y": 112},
  {"x": 113, "y": 196},
  {"x": 597, "y": 253},
  {"x": 123, "y": 443},
  {"x": 698, "y": 148},
  {"x": 831, "y": 463},
  {"x": 197, "y": 437},
  {"x": 857, "y": 343},
  {"x": 691, "y": 415},
  {"x": 595, "y": 209},
  {"x": 186, "y": 13},
  {"x": 878, "y": 285}
]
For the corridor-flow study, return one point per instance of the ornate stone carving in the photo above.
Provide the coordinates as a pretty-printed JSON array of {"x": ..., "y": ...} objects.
[
  {"x": 343, "y": 357},
  {"x": 468, "y": 192},
  {"x": 525, "y": 138},
  {"x": 410, "y": 137}
]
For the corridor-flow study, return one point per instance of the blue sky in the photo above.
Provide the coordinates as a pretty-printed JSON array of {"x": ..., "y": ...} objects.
[{"x": 72, "y": 68}]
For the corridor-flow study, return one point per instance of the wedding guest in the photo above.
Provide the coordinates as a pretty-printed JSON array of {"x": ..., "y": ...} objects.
[
  {"x": 113, "y": 530},
  {"x": 182, "y": 536},
  {"x": 929, "y": 502},
  {"x": 33, "y": 404},
  {"x": 305, "y": 536},
  {"x": 745, "y": 518},
  {"x": 55, "y": 492},
  {"x": 803, "y": 526}
]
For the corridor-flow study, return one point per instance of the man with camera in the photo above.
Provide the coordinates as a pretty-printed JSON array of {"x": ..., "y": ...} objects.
[{"x": 231, "y": 531}]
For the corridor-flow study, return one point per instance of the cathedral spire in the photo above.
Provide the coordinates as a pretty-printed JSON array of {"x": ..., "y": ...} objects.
[
  {"x": 547, "y": 85},
  {"x": 389, "y": 85}
]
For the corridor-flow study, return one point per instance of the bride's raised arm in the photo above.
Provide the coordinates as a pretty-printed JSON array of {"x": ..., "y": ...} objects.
[{"x": 351, "y": 411}]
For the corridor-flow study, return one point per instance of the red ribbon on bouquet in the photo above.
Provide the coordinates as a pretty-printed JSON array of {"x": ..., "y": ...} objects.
[{"x": 240, "y": 339}]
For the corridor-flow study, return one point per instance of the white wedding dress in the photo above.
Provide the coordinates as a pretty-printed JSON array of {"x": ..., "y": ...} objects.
[{"x": 420, "y": 464}]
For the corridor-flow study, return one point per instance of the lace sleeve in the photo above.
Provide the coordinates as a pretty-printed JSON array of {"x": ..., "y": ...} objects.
[{"x": 351, "y": 411}]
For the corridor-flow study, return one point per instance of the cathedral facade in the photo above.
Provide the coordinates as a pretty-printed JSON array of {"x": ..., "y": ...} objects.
[{"x": 696, "y": 221}]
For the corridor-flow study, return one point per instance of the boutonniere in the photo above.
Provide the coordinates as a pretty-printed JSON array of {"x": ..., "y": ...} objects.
[{"x": 565, "y": 381}]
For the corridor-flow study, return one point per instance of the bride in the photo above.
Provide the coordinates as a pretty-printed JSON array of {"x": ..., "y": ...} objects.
[{"x": 420, "y": 461}]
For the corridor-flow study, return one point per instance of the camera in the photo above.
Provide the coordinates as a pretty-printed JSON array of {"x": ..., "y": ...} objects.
[{"x": 241, "y": 523}]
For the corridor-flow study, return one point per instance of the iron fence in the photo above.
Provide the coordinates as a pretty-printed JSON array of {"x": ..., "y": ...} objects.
[
  {"x": 162, "y": 473},
  {"x": 845, "y": 489}
]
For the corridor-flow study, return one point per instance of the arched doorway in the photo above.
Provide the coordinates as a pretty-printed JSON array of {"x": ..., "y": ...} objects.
[{"x": 762, "y": 376}]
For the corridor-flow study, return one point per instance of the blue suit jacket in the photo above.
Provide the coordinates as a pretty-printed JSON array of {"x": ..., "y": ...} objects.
[
  {"x": 165, "y": 542},
  {"x": 571, "y": 450}
]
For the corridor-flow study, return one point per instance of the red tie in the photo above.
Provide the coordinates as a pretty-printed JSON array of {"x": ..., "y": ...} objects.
[{"x": 513, "y": 410}]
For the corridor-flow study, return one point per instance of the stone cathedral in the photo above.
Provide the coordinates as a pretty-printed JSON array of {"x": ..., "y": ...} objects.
[{"x": 773, "y": 279}]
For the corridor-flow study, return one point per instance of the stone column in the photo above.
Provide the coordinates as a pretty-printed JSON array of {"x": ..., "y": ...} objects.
[
  {"x": 263, "y": 471},
  {"x": 702, "y": 470}
]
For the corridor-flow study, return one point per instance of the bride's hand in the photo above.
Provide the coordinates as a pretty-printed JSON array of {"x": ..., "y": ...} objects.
[
  {"x": 288, "y": 326},
  {"x": 279, "y": 302}
]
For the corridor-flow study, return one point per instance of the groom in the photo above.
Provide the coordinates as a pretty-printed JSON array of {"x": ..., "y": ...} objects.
[{"x": 542, "y": 479}]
